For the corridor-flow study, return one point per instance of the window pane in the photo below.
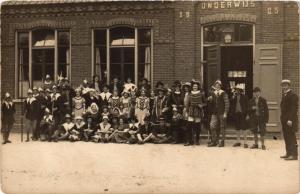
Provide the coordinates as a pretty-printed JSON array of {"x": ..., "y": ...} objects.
[
  {"x": 24, "y": 56},
  {"x": 144, "y": 36},
  {"x": 122, "y": 36},
  {"x": 49, "y": 55},
  {"x": 37, "y": 56},
  {"x": 49, "y": 69},
  {"x": 115, "y": 55},
  {"x": 42, "y": 38},
  {"x": 63, "y": 38},
  {"x": 100, "y": 37},
  {"x": 128, "y": 55},
  {"x": 100, "y": 55},
  {"x": 245, "y": 32},
  {"x": 23, "y": 39},
  {"x": 37, "y": 72}
]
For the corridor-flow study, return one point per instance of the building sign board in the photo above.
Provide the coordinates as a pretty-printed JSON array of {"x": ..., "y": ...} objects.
[{"x": 227, "y": 4}]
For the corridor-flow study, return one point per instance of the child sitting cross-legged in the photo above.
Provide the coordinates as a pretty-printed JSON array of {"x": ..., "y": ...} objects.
[
  {"x": 145, "y": 132},
  {"x": 103, "y": 132},
  {"x": 76, "y": 132},
  {"x": 133, "y": 131},
  {"x": 121, "y": 134},
  {"x": 89, "y": 129}
]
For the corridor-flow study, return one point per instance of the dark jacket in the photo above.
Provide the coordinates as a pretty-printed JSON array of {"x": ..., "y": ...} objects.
[
  {"x": 177, "y": 99},
  {"x": 219, "y": 104},
  {"x": 31, "y": 110},
  {"x": 263, "y": 109},
  {"x": 289, "y": 109},
  {"x": 8, "y": 113},
  {"x": 243, "y": 104}
]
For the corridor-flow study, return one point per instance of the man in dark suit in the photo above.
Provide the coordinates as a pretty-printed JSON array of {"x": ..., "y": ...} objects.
[
  {"x": 289, "y": 120},
  {"x": 258, "y": 113}
]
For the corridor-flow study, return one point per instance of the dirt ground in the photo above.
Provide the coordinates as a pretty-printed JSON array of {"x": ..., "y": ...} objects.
[{"x": 64, "y": 167}]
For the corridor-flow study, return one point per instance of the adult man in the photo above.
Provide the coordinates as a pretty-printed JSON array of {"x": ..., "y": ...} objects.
[
  {"x": 258, "y": 116},
  {"x": 31, "y": 114},
  {"x": 220, "y": 105},
  {"x": 289, "y": 120}
]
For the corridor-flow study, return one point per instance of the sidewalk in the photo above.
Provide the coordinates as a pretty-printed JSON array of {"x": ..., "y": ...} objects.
[{"x": 85, "y": 167}]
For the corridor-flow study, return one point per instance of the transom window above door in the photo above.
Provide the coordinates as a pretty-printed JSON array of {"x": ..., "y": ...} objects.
[{"x": 122, "y": 52}]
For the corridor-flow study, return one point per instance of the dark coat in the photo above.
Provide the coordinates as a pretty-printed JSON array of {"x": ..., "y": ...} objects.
[
  {"x": 289, "y": 109},
  {"x": 31, "y": 110},
  {"x": 243, "y": 104},
  {"x": 262, "y": 109},
  {"x": 8, "y": 114},
  {"x": 177, "y": 99}
]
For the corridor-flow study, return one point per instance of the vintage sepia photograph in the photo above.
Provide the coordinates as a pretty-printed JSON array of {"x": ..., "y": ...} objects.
[{"x": 160, "y": 97}]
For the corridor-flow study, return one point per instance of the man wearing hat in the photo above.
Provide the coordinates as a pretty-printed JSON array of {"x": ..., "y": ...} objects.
[
  {"x": 31, "y": 114},
  {"x": 239, "y": 110},
  {"x": 258, "y": 112},
  {"x": 289, "y": 120},
  {"x": 219, "y": 107},
  {"x": 7, "y": 117}
]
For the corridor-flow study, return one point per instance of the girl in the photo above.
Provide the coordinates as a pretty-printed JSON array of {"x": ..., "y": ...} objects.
[
  {"x": 125, "y": 101},
  {"x": 102, "y": 134},
  {"x": 78, "y": 104},
  {"x": 8, "y": 111},
  {"x": 142, "y": 107},
  {"x": 194, "y": 109},
  {"x": 114, "y": 102},
  {"x": 129, "y": 86},
  {"x": 77, "y": 132}
]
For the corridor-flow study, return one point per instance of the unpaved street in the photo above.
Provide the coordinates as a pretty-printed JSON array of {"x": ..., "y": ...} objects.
[{"x": 81, "y": 167}]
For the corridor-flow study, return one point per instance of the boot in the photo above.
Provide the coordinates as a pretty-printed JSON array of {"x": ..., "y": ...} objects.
[
  {"x": 7, "y": 136},
  {"x": 4, "y": 138},
  {"x": 221, "y": 144}
]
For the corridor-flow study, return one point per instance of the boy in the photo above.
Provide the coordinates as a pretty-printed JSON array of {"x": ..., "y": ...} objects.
[
  {"x": 146, "y": 130},
  {"x": 259, "y": 116},
  {"x": 47, "y": 126}
]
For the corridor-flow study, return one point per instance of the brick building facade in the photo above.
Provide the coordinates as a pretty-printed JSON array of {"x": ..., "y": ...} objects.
[{"x": 185, "y": 40}]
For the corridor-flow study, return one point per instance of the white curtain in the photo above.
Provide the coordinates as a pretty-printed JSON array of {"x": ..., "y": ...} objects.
[
  {"x": 98, "y": 63},
  {"x": 147, "y": 63}
]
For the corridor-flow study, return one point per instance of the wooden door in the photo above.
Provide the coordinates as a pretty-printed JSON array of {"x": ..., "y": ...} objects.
[
  {"x": 213, "y": 65},
  {"x": 267, "y": 75}
]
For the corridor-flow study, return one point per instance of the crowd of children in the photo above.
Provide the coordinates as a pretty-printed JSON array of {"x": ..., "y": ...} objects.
[{"x": 127, "y": 113}]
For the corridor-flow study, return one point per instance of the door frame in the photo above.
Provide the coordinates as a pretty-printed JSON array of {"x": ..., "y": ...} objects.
[{"x": 202, "y": 45}]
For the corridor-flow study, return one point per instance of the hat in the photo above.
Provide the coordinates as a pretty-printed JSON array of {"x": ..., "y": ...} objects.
[
  {"x": 54, "y": 87},
  {"x": 159, "y": 83},
  {"x": 48, "y": 90},
  {"x": 85, "y": 81},
  {"x": 195, "y": 82},
  {"x": 174, "y": 107},
  {"x": 68, "y": 116},
  {"x": 48, "y": 76},
  {"x": 239, "y": 87},
  {"x": 256, "y": 89},
  {"x": 286, "y": 81},
  {"x": 177, "y": 83},
  {"x": 34, "y": 88},
  {"x": 47, "y": 110},
  {"x": 105, "y": 117},
  {"x": 7, "y": 95},
  {"x": 40, "y": 89},
  {"x": 218, "y": 82},
  {"x": 144, "y": 79},
  {"x": 78, "y": 118},
  {"x": 29, "y": 91},
  {"x": 78, "y": 90},
  {"x": 188, "y": 84}
]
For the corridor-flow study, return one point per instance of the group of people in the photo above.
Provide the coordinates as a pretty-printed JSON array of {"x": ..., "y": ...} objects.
[{"x": 127, "y": 113}]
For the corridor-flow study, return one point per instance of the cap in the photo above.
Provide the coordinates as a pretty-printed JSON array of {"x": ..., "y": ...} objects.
[
  {"x": 218, "y": 82},
  {"x": 286, "y": 81},
  {"x": 68, "y": 116},
  {"x": 48, "y": 76},
  {"x": 48, "y": 90},
  {"x": 256, "y": 89},
  {"x": 40, "y": 89},
  {"x": 187, "y": 84},
  {"x": 85, "y": 81},
  {"x": 29, "y": 91},
  {"x": 34, "y": 88},
  {"x": 47, "y": 110},
  {"x": 239, "y": 87},
  {"x": 105, "y": 117},
  {"x": 7, "y": 95},
  {"x": 78, "y": 118}
]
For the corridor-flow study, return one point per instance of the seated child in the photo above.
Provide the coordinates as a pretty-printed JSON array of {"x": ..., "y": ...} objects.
[
  {"x": 146, "y": 130},
  {"x": 76, "y": 132},
  {"x": 64, "y": 130},
  {"x": 88, "y": 130},
  {"x": 121, "y": 133},
  {"x": 47, "y": 126},
  {"x": 133, "y": 131},
  {"x": 102, "y": 134},
  {"x": 160, "y": 132}
]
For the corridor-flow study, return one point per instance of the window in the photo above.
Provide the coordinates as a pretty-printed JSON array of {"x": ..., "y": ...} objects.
[
  {"x": 44, "y": 58},
  {"x": 126, "y": 44},
  {"x": 217, "y": 32}
]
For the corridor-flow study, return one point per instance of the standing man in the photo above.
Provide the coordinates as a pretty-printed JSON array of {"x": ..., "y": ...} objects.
[
  {"x": 258, "y": 112},
  {"x": 289, "y": 120},
  {"x": 31, "y": 114},
  {"x": 220, "y": 106}
]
